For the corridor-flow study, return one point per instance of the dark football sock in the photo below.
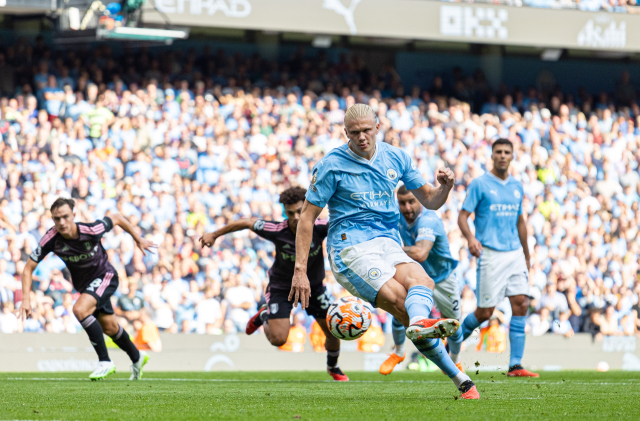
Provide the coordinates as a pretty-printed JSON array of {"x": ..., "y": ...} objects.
[
  {"x": 124, "y": 342},
  {"x": 96, "y": 337},
  {"x": 332, "y": 358}
]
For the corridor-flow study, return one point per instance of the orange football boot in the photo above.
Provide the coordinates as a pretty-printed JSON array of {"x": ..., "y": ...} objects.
[
  {"x": 432, "y": 328},
  {"x": 391, "y": 362},
  {"x": 468, "y": 390},
  {"x": 519, "y": 371}
]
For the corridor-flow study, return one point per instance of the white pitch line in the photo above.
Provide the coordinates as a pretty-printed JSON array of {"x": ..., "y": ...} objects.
[{"x": 478, "y": 381}]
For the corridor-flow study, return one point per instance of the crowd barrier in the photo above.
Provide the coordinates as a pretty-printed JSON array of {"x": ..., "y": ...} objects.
[{"x": 47, "y": 352}]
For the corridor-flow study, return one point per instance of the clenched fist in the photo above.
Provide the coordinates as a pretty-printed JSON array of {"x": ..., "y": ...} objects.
[{"x": 445, "y": 177}]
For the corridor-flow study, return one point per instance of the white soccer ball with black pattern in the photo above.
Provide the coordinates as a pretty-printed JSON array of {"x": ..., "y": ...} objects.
[{"x": 348, "y": 318}]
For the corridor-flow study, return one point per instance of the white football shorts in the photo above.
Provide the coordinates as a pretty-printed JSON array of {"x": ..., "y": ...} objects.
[
  {"x": 364, "y": 268},
  {"x": 501, "y": 274}
]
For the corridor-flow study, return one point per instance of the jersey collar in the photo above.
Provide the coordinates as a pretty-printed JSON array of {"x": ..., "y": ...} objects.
[
  {"x": 499, "y": 180},
  {"x": 361, "y": 159}
]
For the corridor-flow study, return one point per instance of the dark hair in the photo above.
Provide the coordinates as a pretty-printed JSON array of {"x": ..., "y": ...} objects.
[
  {"x": 501, "y": 142},
  {"x": 402, "y": 190},
  {"x": 61, "y": 201},
  {"x": 292, "y": 195}
]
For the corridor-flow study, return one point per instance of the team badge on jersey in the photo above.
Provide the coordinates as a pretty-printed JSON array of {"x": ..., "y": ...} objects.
[
  {"x": 516, "y": 193},
  {"x": 392, "y": 174},
  {"x": 313, "y": 181},
  {"x": 374, "y": 273}
]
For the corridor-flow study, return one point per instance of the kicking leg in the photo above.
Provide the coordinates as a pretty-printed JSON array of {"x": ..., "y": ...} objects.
[{"x": 391, "y": 298}]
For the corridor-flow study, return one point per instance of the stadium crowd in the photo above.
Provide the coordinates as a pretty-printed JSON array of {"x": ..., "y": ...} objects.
[
  {"x": 616, "y": 6},
  {"x": 181, "y": 143}
]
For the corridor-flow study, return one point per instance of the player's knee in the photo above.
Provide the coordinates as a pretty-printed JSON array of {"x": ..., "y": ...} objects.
[
  {"x": 520, "y": 307},
  {"x": 422, "y": 279},
  {"x": 278, "y": 340},
  {"x": 81, "y": 313},
  {"x": 483, "y": 314}
]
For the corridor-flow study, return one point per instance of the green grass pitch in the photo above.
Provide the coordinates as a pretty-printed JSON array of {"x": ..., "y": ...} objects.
[{"x": 311, "y": 396}]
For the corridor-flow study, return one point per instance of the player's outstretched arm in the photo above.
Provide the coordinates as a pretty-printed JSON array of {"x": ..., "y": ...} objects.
[
  {"x": 24, "y": 312},
  {"x": 208, "y": 239},
  {"x": 475, "y": 248},
  {"x": 434, "y": 197},
  {"x": 300, "y": 287},
  {"x": 122, "y": 222}
]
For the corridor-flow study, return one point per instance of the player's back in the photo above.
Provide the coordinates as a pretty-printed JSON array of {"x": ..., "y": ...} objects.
[
  {"x": 428, "y": 226},
  {"x": 497, "y": 205},
  {"x": 360, "y": 193}
]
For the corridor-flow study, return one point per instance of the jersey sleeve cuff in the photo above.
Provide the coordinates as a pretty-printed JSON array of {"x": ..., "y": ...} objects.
[
  {"x": 415, "y": 184},
  {"x": 315, "y": 204},
  {"x": 108, "y": 223}
]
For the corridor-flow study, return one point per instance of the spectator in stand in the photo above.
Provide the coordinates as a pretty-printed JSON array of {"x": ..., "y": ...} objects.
[{"x": 180, "y": 157}]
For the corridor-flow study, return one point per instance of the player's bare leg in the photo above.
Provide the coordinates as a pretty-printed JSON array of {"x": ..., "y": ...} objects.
[
  {"x": 83, "y": 310},
  {"x": 332, "y": 345},
  {"x": 121, "y": 338},
  {"x": 393, "y": 298},
  {"x": 277, "y": 331}
]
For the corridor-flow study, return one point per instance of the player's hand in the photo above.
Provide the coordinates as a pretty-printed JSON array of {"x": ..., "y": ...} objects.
[
  {"x": 445, "y": 177},
  {"x": 208, "y": 239},
  {"x": 300, "y": 289},
  {"x": 475, "y": 248},
  {"x": 24, "y": 312},
  {"x": 145, "y": 245}
]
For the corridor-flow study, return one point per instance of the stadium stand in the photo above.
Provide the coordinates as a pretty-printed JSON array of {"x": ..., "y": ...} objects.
[{"x": 184, "y": 142}]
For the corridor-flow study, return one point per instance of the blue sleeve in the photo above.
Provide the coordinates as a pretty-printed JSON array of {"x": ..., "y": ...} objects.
[
  {"x": 323, "y": 184},
  {"x": 426, "y": 230},
  {"x": 473, "y": 197},
  {"x": 411, "y": 177}
]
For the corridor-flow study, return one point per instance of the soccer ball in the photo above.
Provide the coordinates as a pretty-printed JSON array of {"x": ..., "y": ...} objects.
[{"x": 348, "y": 318}]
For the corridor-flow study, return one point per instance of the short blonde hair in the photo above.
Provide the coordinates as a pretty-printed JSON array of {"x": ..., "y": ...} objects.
[{"x": 358, "y": 111}]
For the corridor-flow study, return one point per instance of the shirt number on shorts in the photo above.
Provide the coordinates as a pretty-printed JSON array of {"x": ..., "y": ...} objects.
[
  {"x": 95, "y": 284},
  {"x": 325, "y": 301},
  {"x": 455, "y": 305}
]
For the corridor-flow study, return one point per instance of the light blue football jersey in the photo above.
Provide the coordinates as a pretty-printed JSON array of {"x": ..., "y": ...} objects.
[
  {"x": 497, "y": 205},
  {"x": 361, "y": 193},
  {"x": 428, "y": 226}
]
